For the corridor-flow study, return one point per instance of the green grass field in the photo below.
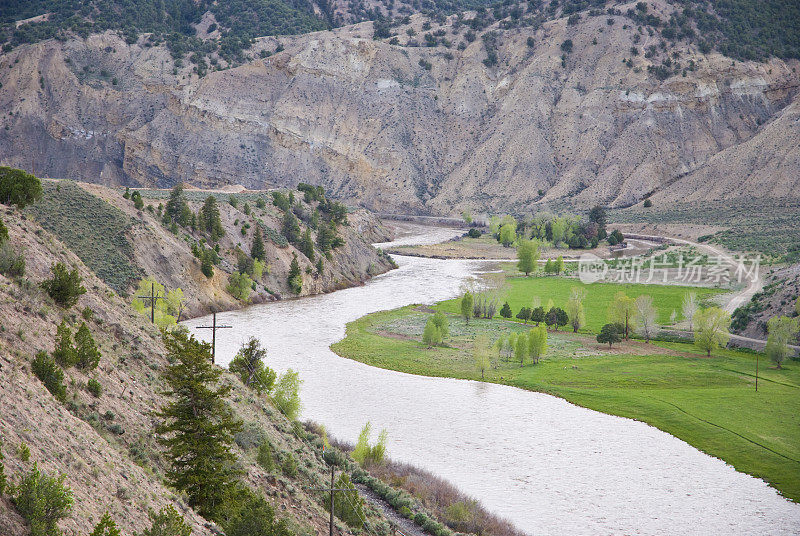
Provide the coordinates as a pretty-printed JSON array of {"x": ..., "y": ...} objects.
[
  {"x": 709, "y": 403},
  {"x": 521, "y": 291}
]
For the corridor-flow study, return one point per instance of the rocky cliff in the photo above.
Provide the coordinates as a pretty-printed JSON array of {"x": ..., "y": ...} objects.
[{"x": 412, "y": 128}]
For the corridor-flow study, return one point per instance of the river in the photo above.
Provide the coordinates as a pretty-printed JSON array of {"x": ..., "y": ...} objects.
[{"x": 546, "y": 465}]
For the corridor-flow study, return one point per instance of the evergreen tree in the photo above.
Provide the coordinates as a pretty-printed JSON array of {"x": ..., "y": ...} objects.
[
  {"x": 177, "y": 209},
  {"x": 505, "y": 312},
  {"x": 138, "y": 202},
  {"x": 197, "y": 426},
  {"x": 209, "y": 219},
  {"x": 18, "y": 187},
  {"x": 105, "y": 527},
  {"x": 291, "y": 227},
  {"x": 249, "y": 365},
  {"x": 537, "y": 315},
  {"x": 64, "y": 353},
  {"x": 257, "y": 250},
  {"x": 207, "y": 263},
  {"x": 610, "y": 333},
  {"x": 167, "y": 522},
  {"x": 87, "y": 356},
  {"x": 43, "y": 500},
  {"x": 50, "y": 374},
  {"x": 307, "y": 245},
  {"x": 295, "y": 276},
  {"x": 3, "y": 232}
]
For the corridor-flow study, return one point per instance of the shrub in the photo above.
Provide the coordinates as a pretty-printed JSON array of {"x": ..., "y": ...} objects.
[
  {"x": 42, "y": 500},
  {"x": 94, "y": 387},
  {"x": 264, "y": 457},
  {"x": 64, "y": 352},
  {"x": 239, "y": 286},
  {"x": 250, "y": 435},
  {"x": 648, "y": 203},
  {"x": 2, "y": 470},
  {"x": 65, "y": 287},
  {"x": 348, "y": 505},
  {"x": 289, "y": 466},
  {"x": 249, "y": 514},
  {"x": 366, "y": 454},
  {"x": 24, "y": 452},
  {"x": 12, "y": 263},
  {"x": 167, "y": 522},
  {"x": 49, "y": 373},
  {"x": 474, "y": 233},
  {"x": 3, "y": 232}
]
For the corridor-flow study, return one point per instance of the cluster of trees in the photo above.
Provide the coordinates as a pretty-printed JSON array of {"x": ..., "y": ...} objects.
[
  {"x": 367, "y": 454},
  {"x": 167, "y": 307},
  {"x": 437, "y": 329},
  {"x": 575, "y": 232},
  {"x": 530, "y": 346}
]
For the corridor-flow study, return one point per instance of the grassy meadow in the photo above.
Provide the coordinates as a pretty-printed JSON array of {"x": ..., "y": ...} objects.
[
  {"x": 522, "y": 290},
  {"x": 709, "y": 403}
]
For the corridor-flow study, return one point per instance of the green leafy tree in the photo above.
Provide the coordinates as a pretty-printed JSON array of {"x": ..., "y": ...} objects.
[
  {"x": 574, "y": 308},
  {"x": 105, "y": 527},
  {"x": 248, "y": 365},
  {"x": 440, "y": 321},
  {"x": 481, "y": 350},
  {"x": 623, "y": 311},
  {"x": 64, "y": 352},
  {"x": 508, "y": 234},
  {"x": 467, "y": 302},
  {"x": 505, "y": 311},
  {"x": 43, "y": 500},
  {"x": 50, "y": 374},
  {"x": 18, "y": 187},
  {"x": 209, "y": 219},
  {"x": 286, "y": 396},
  {"x": 257, "y": 250},
  {"x": 610, "y": 334},
  {"x": 782, "y": 331},
  {"x": 559, "y": 264},
  {"x": 167, "y": 522},
  {"x": 528, "y": 255},
  {"x": 65, "y": 287},
  {"x": 521, "y": 350},
  {"x": 431, "y": 335},
  {"x": 711, "y": 329},
  {"x": 537, "y": 343},
  {"x": 197, "y": 425},
  {"x": 239, "y": 286},
  {"x": 168, "y": 308},
  {"x": 87, "y": 354},
  {"x": 366, "y": 454}
]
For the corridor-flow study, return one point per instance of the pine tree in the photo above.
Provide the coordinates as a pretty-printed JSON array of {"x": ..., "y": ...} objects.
[
  {"x": 177, "y": 209},
  {"x": 257, "y": 250},
  {"x": 105, "y": 527},
  {"x": 249, "y": 366},
  {"x": 307, "y": 245},
  {"x": 65, "y": 287},
  {"x": 197, "y": 425},
  {"x": 87, "y": 354},
  {"x": 295, "y": 276},
  {"x": 291, "y": 227},
  {"x": 210, "y": 220},
  {"x": 64, "y": 352}
]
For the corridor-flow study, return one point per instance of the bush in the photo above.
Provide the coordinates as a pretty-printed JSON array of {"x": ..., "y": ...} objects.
[
  {"x": 250, "y": 435},
  {"x": 289, "y": 466},
  {"x": 65, "y": 287},
  {"x": 167, "y": 522},
  {"x": 43, "y": 500},
  {"x": 264, "y": 457},
  {"x": 12, "y": 263},
  {"x": 474, "y": 233},
  {"x": 2, "y": 470},
  {"x": 648, "y": 203},
  {"x": 49, "y": 373},
  {"x": 94, "y": 387},
  {"x": 248, "y": 514},
  {"x": 348, "y": 505}
]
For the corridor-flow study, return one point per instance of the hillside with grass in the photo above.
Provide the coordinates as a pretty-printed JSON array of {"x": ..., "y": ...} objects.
[{"x": 123, "y": 243}]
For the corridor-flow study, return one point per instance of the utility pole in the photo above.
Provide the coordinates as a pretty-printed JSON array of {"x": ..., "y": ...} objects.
[
  {"x": 152, "y": 297},
  {"x": 331, "y": 490},
  {"x": 213, "y": 327}
]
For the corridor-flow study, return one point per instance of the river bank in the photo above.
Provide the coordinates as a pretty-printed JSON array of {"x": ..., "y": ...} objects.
[{"x": 589, "y": 472}]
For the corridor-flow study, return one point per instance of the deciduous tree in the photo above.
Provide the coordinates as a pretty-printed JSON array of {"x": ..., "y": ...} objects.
[
  {"x": 623, "y": 311},
  {"x": 645, "y": 316},
  {"x": 574, "y": 308},
  {"x": 467, "y": 303},
  {"x": 528, "y": 255},
  {"x": 537, "y": 343},
  {"x": 689, "y": 308},
  {"x": 782, "y": 331},
  {"x": 711, "y": 329}
]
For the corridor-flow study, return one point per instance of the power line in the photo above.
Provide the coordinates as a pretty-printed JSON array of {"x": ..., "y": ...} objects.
[{"x": 213, "y": 327}]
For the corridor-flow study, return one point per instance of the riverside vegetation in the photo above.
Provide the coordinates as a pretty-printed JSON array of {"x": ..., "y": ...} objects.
[{"x": 610, "y": 358}]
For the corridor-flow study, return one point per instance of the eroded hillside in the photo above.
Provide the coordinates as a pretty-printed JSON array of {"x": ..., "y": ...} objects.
[{"x": 499, "y": 118}]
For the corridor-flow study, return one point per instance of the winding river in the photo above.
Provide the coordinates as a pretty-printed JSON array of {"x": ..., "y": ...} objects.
[{"x": 546, "y": 465}]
